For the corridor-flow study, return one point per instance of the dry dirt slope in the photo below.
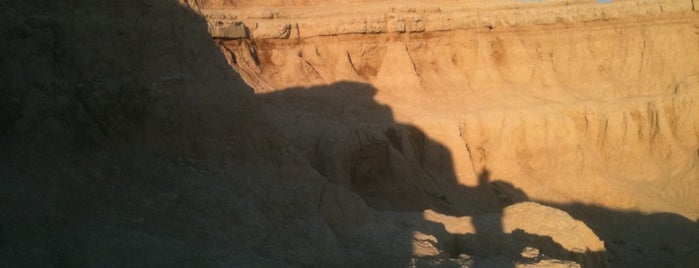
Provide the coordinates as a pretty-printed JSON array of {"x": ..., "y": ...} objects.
[{"x": 127, "y": 141}]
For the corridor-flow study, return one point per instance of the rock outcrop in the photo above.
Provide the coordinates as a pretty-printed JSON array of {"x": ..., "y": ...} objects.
[
  {"x": 577, "y": 104},
  {"x": 525, "y": 226},
  {"x": 349, "y": 133}
]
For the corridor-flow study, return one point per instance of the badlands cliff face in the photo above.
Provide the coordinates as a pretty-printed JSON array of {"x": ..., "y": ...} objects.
[
  {"x": 593, "y": 102},
  {"x": 585, "y": 106},
  {"x": 351, "y": 133}
]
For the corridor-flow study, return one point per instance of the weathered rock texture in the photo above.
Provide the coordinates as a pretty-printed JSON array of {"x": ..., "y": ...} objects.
[
  {"x": 586, "y": 106},
  {"x": 368, "y": 134},
  {"x": 550, "y": 230},
  {"x": 603, "y": 94},
  {"x": 127, "y": 141}
]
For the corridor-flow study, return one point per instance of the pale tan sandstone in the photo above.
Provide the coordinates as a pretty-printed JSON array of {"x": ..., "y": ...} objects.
[
  {"x": 523, "y": 225},
  {"x": 576, "y": 104},
  {"x": 612, "y": 86}
]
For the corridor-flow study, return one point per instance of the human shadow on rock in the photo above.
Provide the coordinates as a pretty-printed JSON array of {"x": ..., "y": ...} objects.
[{"x": 399, "y": 171}]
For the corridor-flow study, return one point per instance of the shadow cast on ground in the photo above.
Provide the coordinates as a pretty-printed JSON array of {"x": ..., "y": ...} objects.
[
  {"x": 113, "y": 204},
  {"x": 354, "y": 142}
]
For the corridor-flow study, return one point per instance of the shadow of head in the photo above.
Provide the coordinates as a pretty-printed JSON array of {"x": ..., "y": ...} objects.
[
  {"x": 343, "y": 103},
  {"x": 355, "y": 141}
]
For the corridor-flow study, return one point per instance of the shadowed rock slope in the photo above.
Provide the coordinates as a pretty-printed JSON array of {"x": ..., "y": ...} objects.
[{"x": 127, "y": 141}]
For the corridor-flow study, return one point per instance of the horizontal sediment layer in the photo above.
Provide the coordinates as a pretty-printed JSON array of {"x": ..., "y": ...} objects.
[{"x": 283, "y": 22}]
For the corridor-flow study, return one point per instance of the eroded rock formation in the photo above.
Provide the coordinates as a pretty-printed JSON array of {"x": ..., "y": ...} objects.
[
  {"x": 354, "y": 133},
  {"x": 576, "y": 104}
]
